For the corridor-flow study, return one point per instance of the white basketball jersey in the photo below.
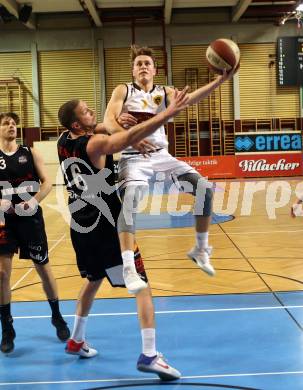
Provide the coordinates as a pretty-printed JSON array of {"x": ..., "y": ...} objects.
[{"x": 144, "y": 105}]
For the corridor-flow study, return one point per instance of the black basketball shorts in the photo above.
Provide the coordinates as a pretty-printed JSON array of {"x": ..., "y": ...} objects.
[
  {"x": 98, "y": 254},
  {"x": 26, "y": 234}
]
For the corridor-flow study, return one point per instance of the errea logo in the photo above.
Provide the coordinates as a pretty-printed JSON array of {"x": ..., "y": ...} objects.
[
  {"x": 243, "y": 143},
  {"x": 268, "y": 142}
]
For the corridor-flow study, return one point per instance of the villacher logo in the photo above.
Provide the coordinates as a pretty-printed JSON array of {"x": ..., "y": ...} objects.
[{"x": 263, "y": 165}]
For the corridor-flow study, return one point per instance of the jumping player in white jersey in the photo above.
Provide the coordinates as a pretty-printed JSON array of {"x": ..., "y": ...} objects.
[{"x": 142, "y": 100}]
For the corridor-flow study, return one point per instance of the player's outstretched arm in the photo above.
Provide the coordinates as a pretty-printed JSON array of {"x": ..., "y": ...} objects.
[
  {"x": 203, "y": 92},
  {"x": 101, "y": 144},
  {"x": 100, "y": 129},
  {"x": 125, "y": 120}
]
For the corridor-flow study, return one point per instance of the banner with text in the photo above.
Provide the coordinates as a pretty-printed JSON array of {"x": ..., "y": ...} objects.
[
  {"x": 213, "y": 166},
  {"x": 268, "y": 142},
  {"x": 262, "y": 165}
]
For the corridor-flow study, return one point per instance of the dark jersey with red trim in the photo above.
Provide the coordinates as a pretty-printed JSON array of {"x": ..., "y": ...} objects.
[
  {"x": 84, "y": 182},
  {"x": 19, "y": 180}
]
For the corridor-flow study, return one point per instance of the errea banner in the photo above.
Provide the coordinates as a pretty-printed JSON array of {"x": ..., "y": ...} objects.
[
  {"x": 268, "y": 142},
  {"x": 269, "y": 165}
]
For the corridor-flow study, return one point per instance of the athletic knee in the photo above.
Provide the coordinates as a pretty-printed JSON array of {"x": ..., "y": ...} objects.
[
  {"x": 126, "y": 223},
  {"x": 203, "y": 204},
  {"x": 131, "y": 197},
  {"x": 42, "y": 268}
]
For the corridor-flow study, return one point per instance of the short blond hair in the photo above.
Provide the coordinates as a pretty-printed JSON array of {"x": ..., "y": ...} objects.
[{"x": 136, "y": 51}]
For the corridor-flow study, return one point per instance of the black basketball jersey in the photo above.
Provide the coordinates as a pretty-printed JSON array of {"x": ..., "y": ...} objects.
[
  {"x": 19, "y": 180},
  {"x": 82, "y": 179}
]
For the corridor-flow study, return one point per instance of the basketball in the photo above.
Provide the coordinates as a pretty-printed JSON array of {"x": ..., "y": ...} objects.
[{"x": 222, "y": 54}]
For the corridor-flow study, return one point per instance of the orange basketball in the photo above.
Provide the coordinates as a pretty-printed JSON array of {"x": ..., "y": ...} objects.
[{"x": 222, "y": 54}]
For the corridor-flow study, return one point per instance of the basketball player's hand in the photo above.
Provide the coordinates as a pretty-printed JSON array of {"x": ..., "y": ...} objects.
[
  {"x": 144, "y": 147},
  {"x": 178, "y": 102},
  {"x": 7, "y": 206},
  {"x": 126, "y": 120},
  {"x": 227, "y": 75}
]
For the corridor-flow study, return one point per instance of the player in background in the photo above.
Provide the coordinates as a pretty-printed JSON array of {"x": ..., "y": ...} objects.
[{"x": 24, "y": 183}]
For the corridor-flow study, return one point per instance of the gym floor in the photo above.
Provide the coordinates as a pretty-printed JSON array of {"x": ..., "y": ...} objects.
[{"x": 241, "y": 329}]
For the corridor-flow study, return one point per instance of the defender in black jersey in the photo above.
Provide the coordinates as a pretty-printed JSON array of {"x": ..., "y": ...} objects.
[
  {"x": 23, "y": 184},
  {"x": 87, "y": 165},
  {"x": 93, "y": 233}
]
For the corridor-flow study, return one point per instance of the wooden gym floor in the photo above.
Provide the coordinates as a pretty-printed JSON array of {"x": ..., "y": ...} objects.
[{"x": 252, "y": 253}]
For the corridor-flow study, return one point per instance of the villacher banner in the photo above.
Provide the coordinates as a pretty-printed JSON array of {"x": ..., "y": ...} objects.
[{"x": 263, "y": 165}]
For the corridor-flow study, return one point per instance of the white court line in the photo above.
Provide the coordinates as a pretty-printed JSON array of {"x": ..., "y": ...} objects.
[
  {"x": 176, "y": 311},
  {"x": 154, "y": 379},
  {"x": 30, "y": 270}
]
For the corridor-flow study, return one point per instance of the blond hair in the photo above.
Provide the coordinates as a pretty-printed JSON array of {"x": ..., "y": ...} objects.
[{"x": 136, "y": 51}]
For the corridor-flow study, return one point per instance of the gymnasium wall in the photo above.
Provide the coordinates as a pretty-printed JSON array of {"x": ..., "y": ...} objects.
[
  {"x": 18, "y": 64},
  {"x": 89, "y": 63},
  {"x": 69, "y": 66},
  {"x": 67, "y": 74}
]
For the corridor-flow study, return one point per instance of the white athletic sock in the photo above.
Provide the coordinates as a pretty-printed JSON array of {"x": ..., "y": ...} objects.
[
  {"x": 128, "y": 258},
  {"x": 78, "y": 333},
  {"x": 202, "y": 240},
  {"x": 149, "y": 341}
]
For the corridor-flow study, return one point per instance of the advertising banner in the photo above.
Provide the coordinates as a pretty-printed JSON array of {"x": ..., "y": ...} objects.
[
  {"x": 213, "y": 166},
  {"x": 268, "y": 142},
  {"x": 262, "y": 165}
]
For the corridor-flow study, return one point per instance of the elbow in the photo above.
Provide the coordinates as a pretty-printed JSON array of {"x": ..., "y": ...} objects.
[{"x": 47, "y": 184}]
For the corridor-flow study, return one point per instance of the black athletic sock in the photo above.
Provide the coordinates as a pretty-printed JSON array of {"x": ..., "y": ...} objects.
[
  {"x": 54, "y": 304},
  {"x": 5, "y": 312}
]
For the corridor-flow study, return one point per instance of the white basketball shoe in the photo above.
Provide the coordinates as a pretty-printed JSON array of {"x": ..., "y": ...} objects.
[
  {"x": 158, "y": 365},
  {"x": 80, "y": 348},
  {"x": 133, "y": 281},
  {"x": 201, "y": 258}
]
